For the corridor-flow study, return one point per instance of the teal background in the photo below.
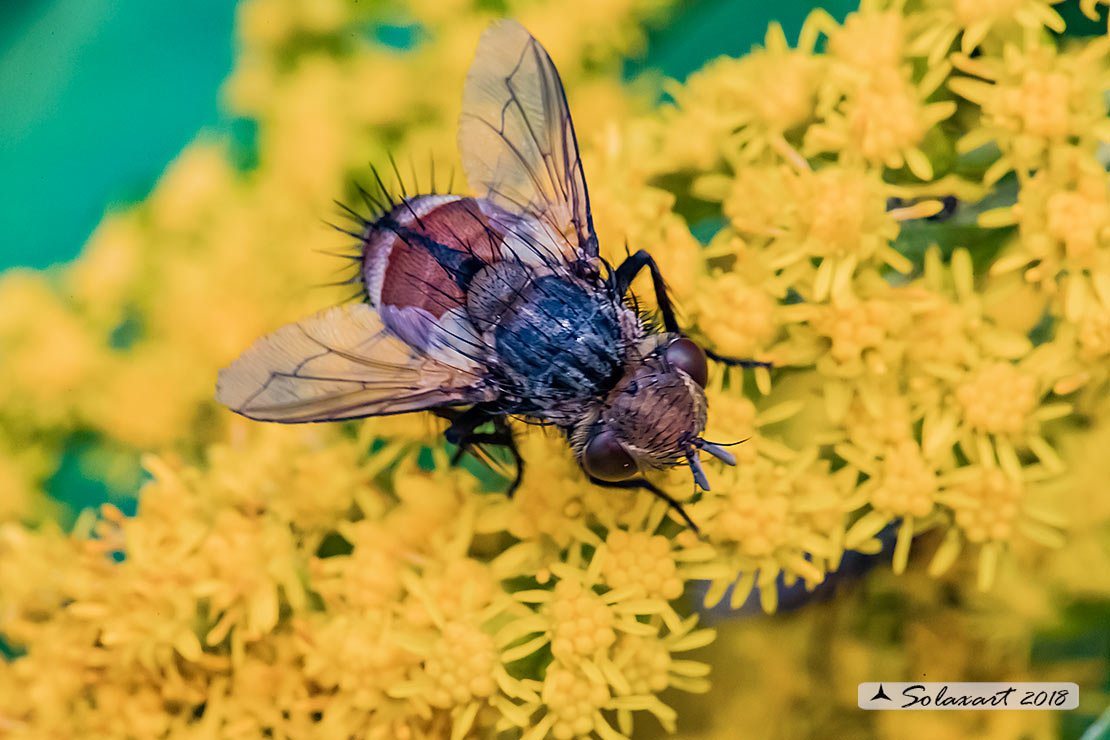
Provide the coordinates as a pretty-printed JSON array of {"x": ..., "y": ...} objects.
[{"x": 98, "y": 96}]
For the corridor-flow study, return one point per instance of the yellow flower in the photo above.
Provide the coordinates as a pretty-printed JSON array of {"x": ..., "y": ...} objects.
[
  {"x": 736, "y": 317},
  {"x": 575, "y": 701},
  {"x": 991, "y": 505},
  {"x": 979, "y": 21},
  {"x": 882, "y": 120},
  {"x": 582, "y": 624},
  {"x": 1035, "y": 100},
  {"x": 907, "y": 485},
  {"x": 642, "y": 561},
  {"x": 760, "y": 517},
  {"x": 998, "y": 399},
  {"x": 747, "y": 103}
]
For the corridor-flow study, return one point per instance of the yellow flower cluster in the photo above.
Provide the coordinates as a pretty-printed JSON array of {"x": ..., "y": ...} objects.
[{"x": 927, "y": 384}]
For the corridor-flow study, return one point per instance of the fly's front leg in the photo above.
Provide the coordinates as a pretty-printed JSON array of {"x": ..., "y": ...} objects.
[
  {"x": 734, "y": 361},
  {"x": 627, "y": 272},
  {"x": 641, "y": 484}
]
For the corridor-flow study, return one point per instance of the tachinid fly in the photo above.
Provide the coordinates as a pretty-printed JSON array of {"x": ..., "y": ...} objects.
[{"x": 481, "y": 308}]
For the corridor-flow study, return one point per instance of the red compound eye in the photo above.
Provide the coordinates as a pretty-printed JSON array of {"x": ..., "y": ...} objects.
[
  {"x": 605, "y": 458},
  {"x": 689, "y": 358}
]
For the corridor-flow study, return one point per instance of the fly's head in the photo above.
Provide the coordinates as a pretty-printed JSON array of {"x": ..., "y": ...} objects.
[{"x": 653, "y": 418}]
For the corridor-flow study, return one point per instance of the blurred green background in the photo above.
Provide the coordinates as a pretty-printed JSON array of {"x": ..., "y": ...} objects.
[{"x": 99, "y": 95}]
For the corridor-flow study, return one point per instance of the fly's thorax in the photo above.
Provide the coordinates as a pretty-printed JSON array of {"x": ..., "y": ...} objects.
[
  {"x": 555, "y": 341},
  {"x": 495, "y": 291}
]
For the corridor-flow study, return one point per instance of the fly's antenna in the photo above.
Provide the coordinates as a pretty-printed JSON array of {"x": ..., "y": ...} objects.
[
  {"x": 432, "y": 171},
  {"x": 695, "y": 466},
  {"x": 717, "y": 450},
  {"x": 450, "y": 180}
]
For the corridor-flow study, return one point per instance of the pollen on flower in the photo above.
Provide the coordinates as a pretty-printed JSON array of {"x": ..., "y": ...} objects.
[
  {"x": 733, "y": 418},
  {"x": 574, "y": 701},
  {"x": 1038, "y": 100},
  {"x": 1094, "y": 333},
  {"x": 642, "y": 560},
  {"x": 582, "y": 624},
  {"x": 463, "y": 587},
  {"x": 907, "y": 485},
  {"x": 758, "y": 523},
  {"x": 1041, "y": 102},
  {"x": 992, "y": 507},
  {"x": 645, "y": 664},
  {"x": 738, "y": 318},
  {"x": 998, "y": 399},
  {"x": 855, "y": 327},
  {"x": 461, "y": 665},
  {"x": 870, "y": 41},
  {"x": 355, "y": 654},
  {"x": 843, "y": 212}
]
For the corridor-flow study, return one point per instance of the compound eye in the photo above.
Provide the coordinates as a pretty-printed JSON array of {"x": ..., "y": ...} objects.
[
  {"x": 689, "y": 358},
  {"x": 607, "y": 459}
]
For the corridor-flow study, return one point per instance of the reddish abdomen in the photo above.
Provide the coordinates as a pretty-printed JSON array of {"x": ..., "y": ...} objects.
[{"x": 398, "y": 268}]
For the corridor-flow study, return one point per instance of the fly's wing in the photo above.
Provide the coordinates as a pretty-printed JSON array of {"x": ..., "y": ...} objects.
[
  {"x": 518, "y": 146},
  {"x": 342, "y": 363}
]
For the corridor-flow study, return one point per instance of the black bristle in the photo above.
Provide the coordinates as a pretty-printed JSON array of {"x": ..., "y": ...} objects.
[
  {"x": 377, "y": 208},
  {"x": 381, "y": 186},
  {"x": 397, "y": 174},
  {"x": 352, "y": 214},
  {"x": 340, "y": 229}
]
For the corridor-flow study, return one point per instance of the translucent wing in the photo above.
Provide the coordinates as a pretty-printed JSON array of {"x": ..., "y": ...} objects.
[
  {"x": 342, "y": 363},
  {"x": 517, "y": 141}
]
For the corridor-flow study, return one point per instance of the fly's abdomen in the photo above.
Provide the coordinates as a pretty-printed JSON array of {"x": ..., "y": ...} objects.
[{"x": 558, "y": 341}]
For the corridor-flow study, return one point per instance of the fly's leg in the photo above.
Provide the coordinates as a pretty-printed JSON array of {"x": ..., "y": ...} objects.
[
  {"x": 463, "y": 423},
  {"x": 462, "y": 434},
  {"x": 641, "y": 484},
  {"x": 627, "y": 272},
  {"x": 501, "y": 436},
  {"x": 734, "y": 361}
]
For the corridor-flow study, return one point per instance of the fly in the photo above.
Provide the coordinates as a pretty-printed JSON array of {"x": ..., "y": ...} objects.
[{"x": 481, "y": 308}]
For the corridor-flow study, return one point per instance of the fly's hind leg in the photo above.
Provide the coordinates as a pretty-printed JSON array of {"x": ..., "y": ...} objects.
[
  {"x": 627, "y": 272},
  {"x": 641, "y": 484}
]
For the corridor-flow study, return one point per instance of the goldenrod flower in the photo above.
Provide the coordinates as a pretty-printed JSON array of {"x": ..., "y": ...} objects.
[{"x": 1034, "y": 100}]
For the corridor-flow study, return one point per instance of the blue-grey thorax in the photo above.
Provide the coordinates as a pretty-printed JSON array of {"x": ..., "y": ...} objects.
[{"x": 556, "y": 342}]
